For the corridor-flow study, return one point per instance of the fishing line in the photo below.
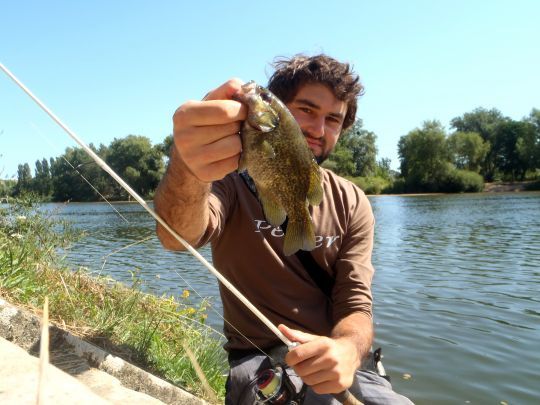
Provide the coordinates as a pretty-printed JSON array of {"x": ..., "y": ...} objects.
[
  {"x": 106, "y": 257},
  {"x": 143, "y": 203}
]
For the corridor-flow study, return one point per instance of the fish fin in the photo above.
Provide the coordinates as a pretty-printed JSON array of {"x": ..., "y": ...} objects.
[
  {"x": 299, "y": 235},
  {"x": 268, "y": 150},
  {"x": 315, "y": 191},
  {"x": 273, "y": 211},
  {"x": 242, "y": 163}
]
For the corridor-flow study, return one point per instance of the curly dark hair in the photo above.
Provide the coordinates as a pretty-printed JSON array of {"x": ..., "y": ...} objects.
[{"x": 292, "y": 73}]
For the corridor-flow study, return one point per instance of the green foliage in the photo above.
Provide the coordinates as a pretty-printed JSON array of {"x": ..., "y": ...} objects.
[
  {"x": 165, "y": 146},
  {"x": 514, "y": 149},
  {"x": 383, "y": 169},
  {"x": 341, "y": 162},
  {"x": 7, "y": 188},
  {"x": 457, "y": 180},
  {"x": 355, "y": 153},
  {"x": 425, "y": 160},
  {"x": 29, "y": 239},
  {"x": 371, "y": 185},
  {"x": 136, "y": 161},
  {"x": 69, "y": 172},
  {"x": 398, "y": 186},
  {"x": 74, "y": 176},
  {"x": 483, "y": 122},
  {"x": 24, "y": 179},
  {"x": 468, "y": 150}
]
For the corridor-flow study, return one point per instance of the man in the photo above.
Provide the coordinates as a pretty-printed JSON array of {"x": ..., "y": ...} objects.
[{"x": 205, "y": 200}]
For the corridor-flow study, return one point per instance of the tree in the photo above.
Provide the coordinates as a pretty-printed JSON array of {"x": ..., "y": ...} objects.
[
  {"x": 6, "y": 188},
  {"x": 424, "y": 157},
  {"x": 483, "y": 122},
  {"x": 69, "y": 172},
  {"x": 511, "y": 144},
  {"x": 165, "y": 146},
  {"x": 468, "y": 150},
  {"x": 384, "y": 170},
  {"x": 24, "y": 179},
  {"x": 361, "y": 155},
  {"x": 529, "y": 145},
  {"x": 42, "y": 183},
  {"x": 138, "y": 162}
]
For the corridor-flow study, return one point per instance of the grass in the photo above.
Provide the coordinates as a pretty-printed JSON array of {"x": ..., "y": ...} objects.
[{"x": 152, "y": 332}]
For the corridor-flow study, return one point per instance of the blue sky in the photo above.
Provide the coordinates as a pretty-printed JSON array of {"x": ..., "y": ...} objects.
[{"x": 113, "y": 68}]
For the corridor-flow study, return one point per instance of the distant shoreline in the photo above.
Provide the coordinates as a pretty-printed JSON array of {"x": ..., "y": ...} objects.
[{"x": 493, "y": 187}]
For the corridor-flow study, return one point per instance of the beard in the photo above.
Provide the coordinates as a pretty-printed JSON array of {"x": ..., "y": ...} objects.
[{"x": 320, "y": 158}]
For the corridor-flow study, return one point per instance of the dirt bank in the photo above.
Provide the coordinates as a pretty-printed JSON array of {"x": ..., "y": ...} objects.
[{"x": 506, "y": 187}]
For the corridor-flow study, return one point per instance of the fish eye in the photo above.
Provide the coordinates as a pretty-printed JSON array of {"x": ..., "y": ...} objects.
[{"x": 266, "y": 96}]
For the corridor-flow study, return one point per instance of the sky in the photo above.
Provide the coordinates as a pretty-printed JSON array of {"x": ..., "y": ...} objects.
[{"x": 113, "y": 68}]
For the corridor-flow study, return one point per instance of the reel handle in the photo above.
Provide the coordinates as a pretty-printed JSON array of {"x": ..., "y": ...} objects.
[{"x": 346, "y": 398}]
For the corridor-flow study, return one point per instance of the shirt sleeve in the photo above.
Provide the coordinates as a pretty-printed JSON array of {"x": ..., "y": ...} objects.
[
  {"x": 221, "y": 202},
  {"x": 353, "y": 268}
]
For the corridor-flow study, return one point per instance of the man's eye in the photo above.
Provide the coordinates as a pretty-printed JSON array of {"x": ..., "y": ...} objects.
[
  {"x": 334, "y": 120},
  {"x": 305, "y": 109}
]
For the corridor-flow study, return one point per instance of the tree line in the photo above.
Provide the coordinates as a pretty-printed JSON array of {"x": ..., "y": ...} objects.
[
  {"x": 74, "y": 176},
  {"x": 482, "y": 145}
]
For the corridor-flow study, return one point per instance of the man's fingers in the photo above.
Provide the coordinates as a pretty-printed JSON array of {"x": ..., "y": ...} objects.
[
  {"x": 225, "y": 91},
  {"x": 320, "y": 377},
  {"x": 193, "y": 137},
  {"x": 223, "y": 148},
  {"x": 218, "y": 170},
  {"x": 213, "y": 112},
  {"x": 296, "y": 335}
]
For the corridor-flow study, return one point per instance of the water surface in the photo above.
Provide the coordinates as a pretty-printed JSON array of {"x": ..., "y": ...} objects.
[{"x": 457, "y": 301}]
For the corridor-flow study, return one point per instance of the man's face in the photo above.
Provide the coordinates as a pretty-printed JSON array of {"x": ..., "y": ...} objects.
[{"x": 320, "y": 116}]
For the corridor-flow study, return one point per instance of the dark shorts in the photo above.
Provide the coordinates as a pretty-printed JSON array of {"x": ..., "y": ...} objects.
[{"x": 368, "y": 386}]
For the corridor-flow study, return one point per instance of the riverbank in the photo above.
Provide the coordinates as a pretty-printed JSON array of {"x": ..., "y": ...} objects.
[
  {"x": 142, "y": 335},
  {"x": 158, "y": 334},
  {"x": 78, "y": 372},
  {"x": 507, "y": 187}
]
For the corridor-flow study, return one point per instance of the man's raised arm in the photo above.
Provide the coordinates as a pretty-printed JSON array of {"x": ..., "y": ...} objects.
[{"x": 206, "y": 148}]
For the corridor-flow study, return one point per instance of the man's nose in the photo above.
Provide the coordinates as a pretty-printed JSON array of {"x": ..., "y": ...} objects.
[{"x": 316, "y": 127}]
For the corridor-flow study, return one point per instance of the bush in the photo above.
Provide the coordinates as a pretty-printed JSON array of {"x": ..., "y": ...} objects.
[
  {"x": 371, "y": 185},
  {"x": 398, "y": 186},
  {"x": 457, "y": 181},
  {"x": 534, "y": 186}
]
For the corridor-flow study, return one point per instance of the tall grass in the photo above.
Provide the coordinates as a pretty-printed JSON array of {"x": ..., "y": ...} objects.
[{"x": 145, "y": 329}]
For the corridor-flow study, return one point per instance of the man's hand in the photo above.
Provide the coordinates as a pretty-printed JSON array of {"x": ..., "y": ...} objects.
[
  {"x": 206, "y": 133},
  {"x": 326, "y": 364},
  {"x": 206, "y": 148}
]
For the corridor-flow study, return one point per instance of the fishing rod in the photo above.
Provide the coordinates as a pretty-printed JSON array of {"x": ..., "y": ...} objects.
[
  {"x": 101, "y": 163},
  {"x": 345, "y": 397}
]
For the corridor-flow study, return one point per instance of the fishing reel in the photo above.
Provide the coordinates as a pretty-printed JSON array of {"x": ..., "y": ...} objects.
[{"x": 274, "y": 386}]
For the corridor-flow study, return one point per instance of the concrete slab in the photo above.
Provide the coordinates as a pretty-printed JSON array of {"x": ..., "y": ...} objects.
[
  {"x": 110, "y": 378},
  {"x": 19, "y": 376}
]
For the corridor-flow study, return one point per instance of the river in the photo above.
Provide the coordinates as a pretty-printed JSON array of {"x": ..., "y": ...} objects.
[{"x": 457, "y": 287}]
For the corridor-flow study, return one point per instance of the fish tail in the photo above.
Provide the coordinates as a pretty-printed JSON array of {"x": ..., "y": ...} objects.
[{"x": 299, "y": 235}]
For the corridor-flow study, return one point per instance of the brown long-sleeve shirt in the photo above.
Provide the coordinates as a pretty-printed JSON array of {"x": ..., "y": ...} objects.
[{"x": 247, "y": 250}]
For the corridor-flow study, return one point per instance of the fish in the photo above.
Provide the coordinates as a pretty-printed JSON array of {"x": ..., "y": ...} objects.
[{"x": 276, "y": 156}]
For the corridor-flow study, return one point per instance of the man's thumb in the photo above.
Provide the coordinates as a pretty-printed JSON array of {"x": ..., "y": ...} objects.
[{"x": 296, "y": 335}]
